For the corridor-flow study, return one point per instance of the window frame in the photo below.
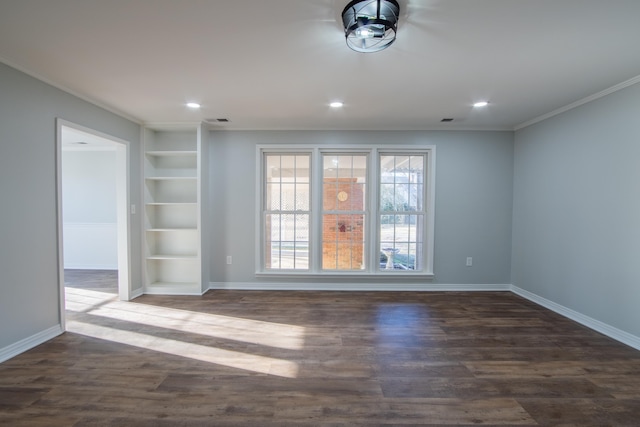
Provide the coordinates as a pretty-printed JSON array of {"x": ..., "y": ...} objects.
[{"x": 371, "y": 208}]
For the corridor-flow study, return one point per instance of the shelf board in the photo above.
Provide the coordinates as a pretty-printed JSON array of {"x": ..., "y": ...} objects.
[
  {"x": 171, "y": 178},
  {"x": 174, "y": 153},
  {"x": 170, "y": 257},
  {"x": 174, "y": 229},
  {"x": 171, "y": 204}
]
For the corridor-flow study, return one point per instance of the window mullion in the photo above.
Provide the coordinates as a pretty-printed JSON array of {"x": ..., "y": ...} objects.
[
  {"x": 315, "y": 244},
  {"x": 371, "y": 208}
]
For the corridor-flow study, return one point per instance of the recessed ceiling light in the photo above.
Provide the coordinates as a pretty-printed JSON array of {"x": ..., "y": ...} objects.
[
  {"x": 480, "y": 104},
  {"x": 193, "y": 105},
  {"x": 336, "y": 104}
]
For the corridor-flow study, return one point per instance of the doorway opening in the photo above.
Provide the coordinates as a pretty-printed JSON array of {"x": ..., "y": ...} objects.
[{"x": 93, "y": 212}]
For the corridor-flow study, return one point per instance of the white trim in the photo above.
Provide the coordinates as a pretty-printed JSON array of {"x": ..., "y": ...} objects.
[
  {"x": 589, "y": 322},
  {"x": 60, "y": 226},
  {"x": 85, "y": 148},
  {"x": 372, "y": 153},
  {"x": 72, "y": 92},
  {"x": 136, "y": 293},
  {"x": 173, "y": 289},
  {"x": 28, "y": 343},
  {"x": 579, "y": 102},
  {"x": 364, "y": 287},
  {"x": 123, "y": 185}
]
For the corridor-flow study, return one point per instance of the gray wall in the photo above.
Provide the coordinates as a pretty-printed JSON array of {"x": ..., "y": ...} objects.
[
  {"x": 28, "y": 253},
  {"x": 474, "y": 176},
  {"x": 576, "y": 238}
]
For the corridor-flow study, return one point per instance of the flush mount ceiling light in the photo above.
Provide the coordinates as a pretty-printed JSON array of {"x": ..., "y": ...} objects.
[
  {"x": 370, "y": 25},
  {"x": 336, "y": 104},
  {"x": 193, "y": 105},
  {"x": 480, "y": 104}
]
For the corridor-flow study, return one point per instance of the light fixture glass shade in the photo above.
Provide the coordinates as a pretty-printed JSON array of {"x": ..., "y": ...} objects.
[{"x": 370, "y": 25}]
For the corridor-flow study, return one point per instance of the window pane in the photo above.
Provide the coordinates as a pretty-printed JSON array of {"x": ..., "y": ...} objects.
[
  {"x": 415, "y": 197},
  {"x": 343, "y": 193},
  {"x": 302, "y": 197},
  {"x": 288, "y": 197},
  {"x": 343, "y": 242},
  {"x": 401, "y": 183},
  {"x": 286, "y": 232},
  {"x": 273, "y": 227},
  {"x": 387, "y": 165},
  {"x": 402, "y": 197},
  {"x": 302, "y": 228},
  {"x": 416, "y": 168},
  {"x": 272, "y": 201},
  {"x": 274, "y": 253},
  {"x": 272, "y": 170},
  {"x": 302, "y": 255},
  {"x": 288, "y": 241},
  {"x": 344, "y": 179},
  {"x": 302, "y": 169},
  {"x": 329, "y": 256},
  {"x": 401, "y": 242}
]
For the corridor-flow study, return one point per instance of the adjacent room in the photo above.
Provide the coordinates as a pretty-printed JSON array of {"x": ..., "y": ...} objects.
[{"x": 319, "y": 212}]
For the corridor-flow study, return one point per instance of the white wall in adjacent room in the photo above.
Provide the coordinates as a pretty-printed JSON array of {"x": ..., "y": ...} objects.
[{"x": 89, "y": 209}]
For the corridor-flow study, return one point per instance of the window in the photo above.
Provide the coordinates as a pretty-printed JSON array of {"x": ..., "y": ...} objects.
[
  {"x": 346, "y": 211},
  {"x": 401, "y": 211},
  {"x": 343, "y": 211},
  {"x": 286, "y": 212}
]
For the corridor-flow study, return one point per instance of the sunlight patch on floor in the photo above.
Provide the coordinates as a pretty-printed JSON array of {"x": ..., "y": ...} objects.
[
  {"x": 289, "y": 337},
  {"x": 232, "y": 359}
]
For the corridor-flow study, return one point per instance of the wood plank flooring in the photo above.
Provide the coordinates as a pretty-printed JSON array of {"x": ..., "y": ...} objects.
[{"x": 242, "y": 358}]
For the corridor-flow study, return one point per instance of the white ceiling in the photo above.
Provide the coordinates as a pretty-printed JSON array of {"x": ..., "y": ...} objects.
[{"x": 276, "y": 64}]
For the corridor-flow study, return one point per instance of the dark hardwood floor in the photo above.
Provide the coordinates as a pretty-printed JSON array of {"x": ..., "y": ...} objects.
[{"x": 237, "y": 358}]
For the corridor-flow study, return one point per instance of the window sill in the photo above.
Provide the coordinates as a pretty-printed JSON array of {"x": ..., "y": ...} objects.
[{"x": 338, "y": 275}]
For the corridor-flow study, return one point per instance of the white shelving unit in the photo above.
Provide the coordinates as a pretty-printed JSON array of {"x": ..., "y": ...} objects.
[{"x": 175, "y": 181}]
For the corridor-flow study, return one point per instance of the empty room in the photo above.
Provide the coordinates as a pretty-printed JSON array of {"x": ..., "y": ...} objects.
[{"x": 319, "y": 212}]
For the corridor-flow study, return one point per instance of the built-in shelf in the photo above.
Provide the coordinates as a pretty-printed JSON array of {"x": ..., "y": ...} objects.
[{"x": 174, "y": 180}]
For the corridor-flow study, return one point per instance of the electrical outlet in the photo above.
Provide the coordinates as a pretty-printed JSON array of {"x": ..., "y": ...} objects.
[
  {"x": 469, "y": 261},
  {"x": 133, "y": 209},
  {"x": 229, "y": 259}
]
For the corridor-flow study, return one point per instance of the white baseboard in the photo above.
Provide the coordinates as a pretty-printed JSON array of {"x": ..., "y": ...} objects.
[
  {"x": 172, "y": 290},
  {"x": 589, "y": 322},
  {"x": 30, "y": 342},
  {"x": 425, "y": 287}
]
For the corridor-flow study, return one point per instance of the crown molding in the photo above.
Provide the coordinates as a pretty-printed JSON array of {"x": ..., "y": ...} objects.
[
  {"x": 580, "y": 102},
  {"x": 63, "y": 88}
]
